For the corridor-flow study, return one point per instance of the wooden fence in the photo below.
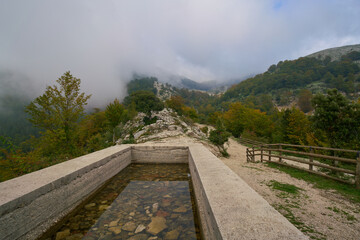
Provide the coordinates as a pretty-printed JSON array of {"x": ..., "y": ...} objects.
[{"x": 343, "y": 164}]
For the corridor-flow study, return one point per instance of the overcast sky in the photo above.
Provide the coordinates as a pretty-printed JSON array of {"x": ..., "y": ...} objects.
[{"x": 104, "y": 42}]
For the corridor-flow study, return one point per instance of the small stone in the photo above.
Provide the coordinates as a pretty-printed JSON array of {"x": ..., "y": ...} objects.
[
  {"x": 103, "y": 207},
  {"x": 74, "y": 226},
  {"x": 63, "y": 234},
  {"x": 167, "y": 196},
  {"x": 132, "y": 214},
  {"x": 155, "y": 207},
  {"x": 129, "y": 226},
  {"x": 147, "y": 207},
  {"x": 181, "y": 209},
  {"x": 115, "y": 230},
  {"x": 157, "y": 225},
  {"x": 172, "y": 235},
  {"x": 152, "y": 238},
  {"x": 139, "y": 237},
  {"x": 147, "y": 211},
  {"x": 113, "y": 224},
  {"x": 140, "y": 228},
  {"x": 89, "y": 206},
  {"x": 77, "y": 236},
  {"x": 161, "y": 213}
]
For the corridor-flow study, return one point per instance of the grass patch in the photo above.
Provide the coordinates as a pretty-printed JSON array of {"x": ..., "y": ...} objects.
[
  {"x": 286, "y": 212},
  {"x": 289, "y": 188},
  {"x": 253, "y": 168},
  {"x": 348, "y": 216},
  {"x": 347, "y": 190}
]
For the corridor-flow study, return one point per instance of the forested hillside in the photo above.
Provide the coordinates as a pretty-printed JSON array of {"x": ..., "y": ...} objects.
[{"x": 285, "y": 79}]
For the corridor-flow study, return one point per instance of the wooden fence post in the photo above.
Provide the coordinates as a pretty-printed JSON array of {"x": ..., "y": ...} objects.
[
  {"x": 357, "y": 173},
  {"x": 280, "y": 153},
  {"x": 253, "y": 154},
  {"x": 269, "y": 155},
  {"x": 261, "y": 151},
  {"x": 336, "y": 164},
  {"x": 247, "y": 155},
  {"x": 311, "y": 167}
]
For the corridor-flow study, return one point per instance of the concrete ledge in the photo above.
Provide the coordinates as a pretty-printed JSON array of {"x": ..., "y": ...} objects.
[
  {"x": 32, "y": 203},
  {"x": 229, "y": 208},
  {"x": 159, "y": 154}
]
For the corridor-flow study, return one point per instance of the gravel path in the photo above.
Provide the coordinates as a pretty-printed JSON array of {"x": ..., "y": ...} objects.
[{"x": 320, "y": 214}]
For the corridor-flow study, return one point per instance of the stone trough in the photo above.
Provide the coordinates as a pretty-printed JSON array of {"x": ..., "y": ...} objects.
[{"x": 227, "y": 206}]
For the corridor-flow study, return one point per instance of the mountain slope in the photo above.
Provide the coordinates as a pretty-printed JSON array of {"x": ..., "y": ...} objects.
[
  {"x": 335, "y": 53},
  {"x": 287, "y": 78}
]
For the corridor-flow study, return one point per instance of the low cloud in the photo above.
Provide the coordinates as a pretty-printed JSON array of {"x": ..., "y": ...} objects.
[{"x": 104, "y": 42}]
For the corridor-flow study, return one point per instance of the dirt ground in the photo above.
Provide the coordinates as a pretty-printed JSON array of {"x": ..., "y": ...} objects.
[{"x": 320, "y": 214}]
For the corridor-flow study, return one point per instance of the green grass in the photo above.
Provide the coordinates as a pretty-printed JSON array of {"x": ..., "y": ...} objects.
[
  {"x": 348, "y": 216},
  {"x": 346, "y": 190},
  {"x": 286, "y": 212},
  {"x": 253, "y": 168},
  {"x": 289, "y": 188}
]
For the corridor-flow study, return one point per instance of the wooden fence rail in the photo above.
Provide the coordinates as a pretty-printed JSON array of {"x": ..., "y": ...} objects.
[{"x": 325, "y": 158}]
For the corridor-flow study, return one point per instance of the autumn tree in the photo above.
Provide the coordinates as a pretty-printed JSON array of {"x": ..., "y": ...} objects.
[
  {"x": 239, "y": 118},
  {"x": 176, "y": 103},
  {"x": 58, "y": 111},
  {"x": 295, "y": 126}
]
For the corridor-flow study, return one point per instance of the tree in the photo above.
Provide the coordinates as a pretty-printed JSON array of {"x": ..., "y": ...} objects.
[
  {"x": 176, "y": 103},
  {"x": 338, "y": 118},
  {"x": 295, "y": 126},
  {"x": 145, "y": 102},
  {"x": 115, "y": 113},
  {"x": 304, "y": 100},
  {"x": 239, "y": 118},
  {"x": 58, "y": 111},
  {"x": 219, "y": 137}
]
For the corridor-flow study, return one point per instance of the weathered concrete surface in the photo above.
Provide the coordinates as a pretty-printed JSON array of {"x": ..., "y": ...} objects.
[
  {"x": 159, "y": 154},
  {"x": 31, "y": 203},
  {"x": 228, "y": 207}
]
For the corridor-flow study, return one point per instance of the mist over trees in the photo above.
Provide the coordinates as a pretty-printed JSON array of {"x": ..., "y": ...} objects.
[{"x": 250, "y": 109}]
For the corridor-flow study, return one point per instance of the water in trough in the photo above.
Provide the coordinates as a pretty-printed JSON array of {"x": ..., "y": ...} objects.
[{"x": 143, "y": 201}]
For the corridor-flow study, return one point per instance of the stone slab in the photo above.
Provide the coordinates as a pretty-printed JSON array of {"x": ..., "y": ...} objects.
[{"x": 229, "y": 208}]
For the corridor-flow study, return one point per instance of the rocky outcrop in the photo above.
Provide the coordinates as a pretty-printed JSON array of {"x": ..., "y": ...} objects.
[{"x": 163, "y": 124}]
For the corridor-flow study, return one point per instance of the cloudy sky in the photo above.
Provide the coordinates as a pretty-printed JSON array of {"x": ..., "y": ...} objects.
[{"x": 104, "y": 42}]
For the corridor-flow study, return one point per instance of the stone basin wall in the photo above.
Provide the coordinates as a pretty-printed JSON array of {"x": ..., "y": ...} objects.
[{"x": 227, "y": 206}]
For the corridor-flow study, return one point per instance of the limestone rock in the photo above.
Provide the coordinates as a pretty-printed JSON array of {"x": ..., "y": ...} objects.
[
  {"x": 181, "y": 209},
  {"x": 115, "y": 230},
  {"x": 139, "y": 237},
  {"x": 89, "y": 206},
  {"x": 155, "y": 207},
  {"x": 140, "y": 228},
  {"x": 157, "y": 225},
  {"x": 129, "y": 226},
  {"x": 172, "y": 235},
  {"x": 77, "y": 236},
  {"x": 63, "y": 234},
  {"x": 103, "y": 207}
]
